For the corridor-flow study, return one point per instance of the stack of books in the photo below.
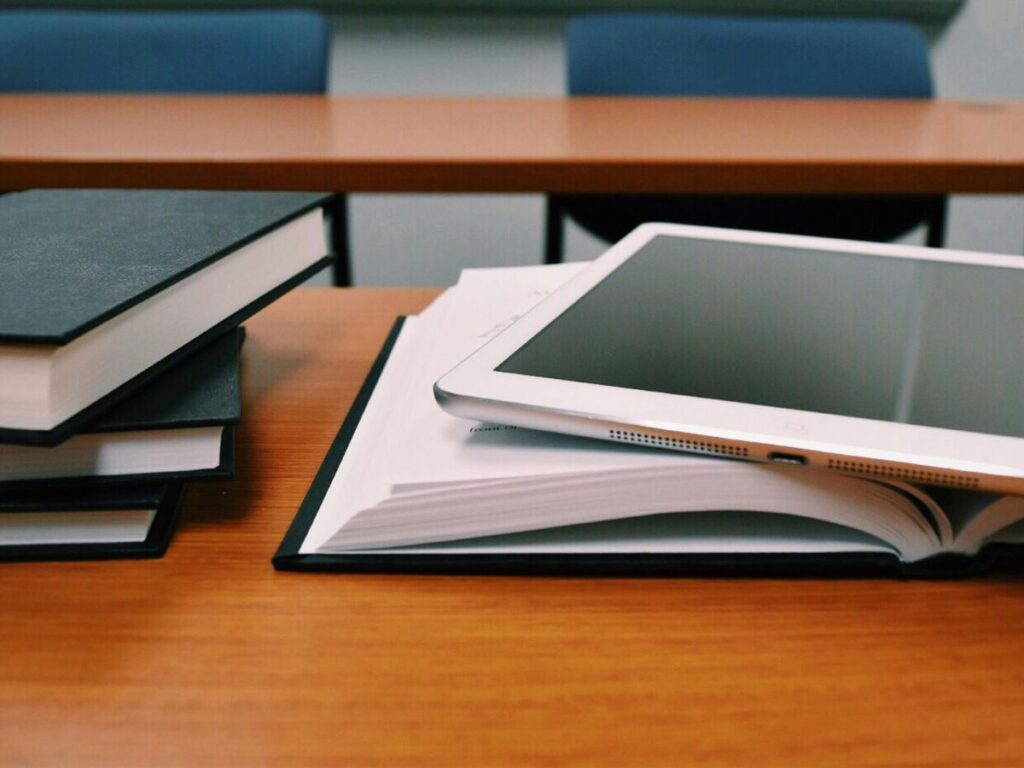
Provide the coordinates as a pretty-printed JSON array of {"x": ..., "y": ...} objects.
[{"x": 120, "y": 338}]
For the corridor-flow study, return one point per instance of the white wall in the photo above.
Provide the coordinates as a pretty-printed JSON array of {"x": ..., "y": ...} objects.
[
  {"x": 981, "y": 56},
  {"x": 427, "y": 239}
]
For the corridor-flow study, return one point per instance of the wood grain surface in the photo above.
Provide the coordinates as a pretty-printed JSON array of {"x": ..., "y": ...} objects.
[
  {"x": 511, "y": 144},
  {"x": 208, "y": 657}
]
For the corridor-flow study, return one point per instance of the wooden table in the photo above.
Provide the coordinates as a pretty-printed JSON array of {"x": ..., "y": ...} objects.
[
  {"x": 209, "y": 657},
  {"x": 511, "y": 144}
]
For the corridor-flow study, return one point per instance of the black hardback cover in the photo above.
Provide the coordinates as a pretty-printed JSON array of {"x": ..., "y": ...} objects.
[
  {"x": 201, "y": 391},
  {"x": 867, "y": 564},
  {"x": 165, "y": 498},
  {"x": 82, "y": 420},
  {"x": 72, "y": 259}
]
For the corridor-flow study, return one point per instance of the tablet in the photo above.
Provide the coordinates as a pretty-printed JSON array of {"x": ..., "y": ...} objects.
[{"x": 874, "y": 359}]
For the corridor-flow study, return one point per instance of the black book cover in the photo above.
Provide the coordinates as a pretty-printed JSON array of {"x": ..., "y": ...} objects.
[
  {"x": 73, "y": 259},
  {"x": 853, "y": 564},
  {"x": 201, "y": 391},
  {"x": 164, "y": 498}
]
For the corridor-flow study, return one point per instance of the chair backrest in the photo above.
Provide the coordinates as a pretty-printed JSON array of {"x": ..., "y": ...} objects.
[
  {"x": 662, "y": 54},
  {"x": 666, "y": 54},
  {"x": 201, "y": 52}
]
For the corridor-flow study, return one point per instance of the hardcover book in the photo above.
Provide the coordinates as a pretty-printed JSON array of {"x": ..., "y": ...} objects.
[
  {"x": 88, "y": 523},
  {"x": 179, "y": 426},
  {"x": 101, "y": 290},
  {"x": 407, "y": 487}
]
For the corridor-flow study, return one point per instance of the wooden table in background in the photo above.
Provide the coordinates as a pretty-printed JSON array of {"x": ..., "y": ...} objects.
[
  {"x": 510, "y": 144},
  {"x": 209, "y": 657}
]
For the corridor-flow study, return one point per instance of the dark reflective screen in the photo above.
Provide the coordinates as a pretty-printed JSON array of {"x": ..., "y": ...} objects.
[{"x": 920, "y": 342}]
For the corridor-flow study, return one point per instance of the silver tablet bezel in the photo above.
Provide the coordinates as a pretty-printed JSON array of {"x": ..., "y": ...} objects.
[{"x": 862, "y": 446}]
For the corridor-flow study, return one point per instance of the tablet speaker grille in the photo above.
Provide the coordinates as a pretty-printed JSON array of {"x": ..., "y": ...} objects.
[
  {"x": 913, "y": 475},
  {"x": 694, "y": 446}
]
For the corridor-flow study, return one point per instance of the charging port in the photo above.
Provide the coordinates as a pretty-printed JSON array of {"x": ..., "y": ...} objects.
[{"x": 787, "y": 458}]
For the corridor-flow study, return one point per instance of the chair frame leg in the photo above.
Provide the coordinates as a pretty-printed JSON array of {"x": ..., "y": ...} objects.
[
  {"x": 554, "y": 232},
  {"x": 339, "y": 240},
  {"x": 936, "y": 233}
]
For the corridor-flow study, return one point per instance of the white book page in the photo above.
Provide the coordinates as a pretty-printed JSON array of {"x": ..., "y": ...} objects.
[
  {"x": 414, "y": 474},
  {"x": 994, "y": 522},
  {"x": 404, "y": 439},
  {"x": 364, "y": 477},
  {"x": 115, "y": 453},
  {"x": 682, "y": 533},
  {"x": 534, "y": 503},
  {"x": 448, "y": 449},
  {"x": 78, "y": 527},
  {"x": 1013, "y": 534}
]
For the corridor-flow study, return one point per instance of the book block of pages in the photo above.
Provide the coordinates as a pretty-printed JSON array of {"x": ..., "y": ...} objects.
[{"x": 408, "y": 487}]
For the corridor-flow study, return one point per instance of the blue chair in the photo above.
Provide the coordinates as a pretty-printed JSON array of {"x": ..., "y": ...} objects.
[
  {"x": 209, "y": 52},
  {"x": 662, "y": 54},
  {"x": 148, "y": 52}
]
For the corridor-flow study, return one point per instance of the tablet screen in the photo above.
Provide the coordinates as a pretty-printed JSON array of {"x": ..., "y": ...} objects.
[{"x": 920, "y": 342}]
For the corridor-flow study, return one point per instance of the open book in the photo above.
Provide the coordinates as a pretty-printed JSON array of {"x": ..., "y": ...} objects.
[{"x": 408, "y": 486}]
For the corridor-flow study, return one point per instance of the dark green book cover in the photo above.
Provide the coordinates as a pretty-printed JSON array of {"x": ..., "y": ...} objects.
[
  {"x": 74, "y": 260},
  {"x": 204, "y": 390}
]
